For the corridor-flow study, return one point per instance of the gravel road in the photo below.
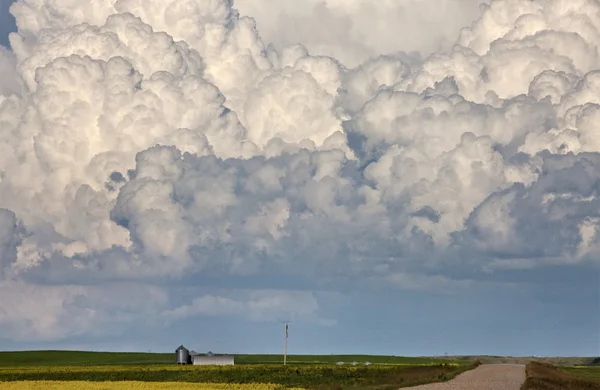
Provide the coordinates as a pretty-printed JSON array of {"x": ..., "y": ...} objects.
[{"x": 484, "y": 377}]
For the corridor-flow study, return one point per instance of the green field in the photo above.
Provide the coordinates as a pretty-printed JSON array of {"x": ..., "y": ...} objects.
[
  {"x": 589, "y": 372},
  {"x": 321, "y": 376},
  {"x": 108, "y": 370},
  {"x": 83, "y": 358},
  {"x": 80, "y": 358}
]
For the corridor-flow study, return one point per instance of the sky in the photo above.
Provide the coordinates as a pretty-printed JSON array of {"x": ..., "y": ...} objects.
[{"x": 402, "y": 177}]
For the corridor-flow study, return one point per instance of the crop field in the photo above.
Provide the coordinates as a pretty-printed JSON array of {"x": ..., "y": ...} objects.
[
  {"x": 242, "y": 377},
  {"x": 106, "y": 371},
  {"x": 57, "y": 385},
  {"x": 584, "y": 372},
  {"x": 76, "y": 358}
]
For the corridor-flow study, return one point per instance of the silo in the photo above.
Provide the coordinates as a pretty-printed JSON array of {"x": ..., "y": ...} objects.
[{"x": 182, "y": 355}]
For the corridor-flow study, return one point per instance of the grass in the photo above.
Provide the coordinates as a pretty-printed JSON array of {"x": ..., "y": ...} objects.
[
  {"x": 554, "y": 360},
  {"x": 320, "y": 377},
  {"x": 541, "y": 376},
  {"x": 114, "y": 370},
  {"x": 80, "y": 358},
  {"x": 57, "y": 385},
  {"x": 329, "y": 359},
  {"x": 584, "y": 372},
  {"x": 83, "y": 358}
]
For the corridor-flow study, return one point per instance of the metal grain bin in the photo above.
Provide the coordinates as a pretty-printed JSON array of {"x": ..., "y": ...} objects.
[
  {"x": 182, "y": 355},
  {"x": 221, "y": 360}
]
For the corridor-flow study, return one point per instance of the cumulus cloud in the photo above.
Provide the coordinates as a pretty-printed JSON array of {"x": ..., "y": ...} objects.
[
  {"x": 30, "y": 312},
  {"x": 242, "y": 212},
  {"x": 10, "y": 235},
  {"x": 257, "y": 306},
  {"x": 296, "y": 104},
  {"x": 9, "y": 80},
  {"x": 354, "y": 30},
  {"x": 145, "y": 142},
  {"x": 555, "y": 218},
  {"x": 124, "y": 36}
]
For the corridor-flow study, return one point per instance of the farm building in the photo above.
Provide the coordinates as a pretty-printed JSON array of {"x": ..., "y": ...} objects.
[
  {"x": 213, "y": 360},
  {"x": 184, "y": 356}
]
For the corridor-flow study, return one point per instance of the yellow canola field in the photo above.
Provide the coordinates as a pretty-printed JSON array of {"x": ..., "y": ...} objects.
[{"x": 83, "y": 385}]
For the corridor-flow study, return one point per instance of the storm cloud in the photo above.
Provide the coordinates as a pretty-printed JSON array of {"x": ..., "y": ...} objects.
[{"x": 149, "y": 142}]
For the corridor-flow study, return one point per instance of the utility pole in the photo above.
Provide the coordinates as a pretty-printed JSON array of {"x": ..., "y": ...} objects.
[{"x": 285, "y": 342}]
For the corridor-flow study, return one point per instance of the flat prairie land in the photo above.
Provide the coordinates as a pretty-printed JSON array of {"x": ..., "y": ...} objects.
[
  {"x": 84, "y": 385},
  {"x": 584, "y": 372},
  {"x": 238, "y": 377},
  {"x": 541, "y": 376},
  {"x": 79, "y": 358},
  {"x": 553, "y": 360}
]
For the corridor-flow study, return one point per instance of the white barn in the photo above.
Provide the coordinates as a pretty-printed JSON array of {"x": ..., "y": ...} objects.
[{"x": 212, "y": 360}]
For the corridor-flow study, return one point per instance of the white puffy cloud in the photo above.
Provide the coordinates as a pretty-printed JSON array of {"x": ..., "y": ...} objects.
[
  {"x": 354, "y": 30},
  {"x": 256, "y": 306},
  {"x": 9, "y": 79},
  {"x": 123, "y": 35},
  {"x": 296, "y": 104},
  {"x": 241, "y": 212},
  {"x": 511, "y": 44},
  {"x": 158, "y": 141},
  {"x": 30, "y": 312},
  {"x": 85, "y": 141}
]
